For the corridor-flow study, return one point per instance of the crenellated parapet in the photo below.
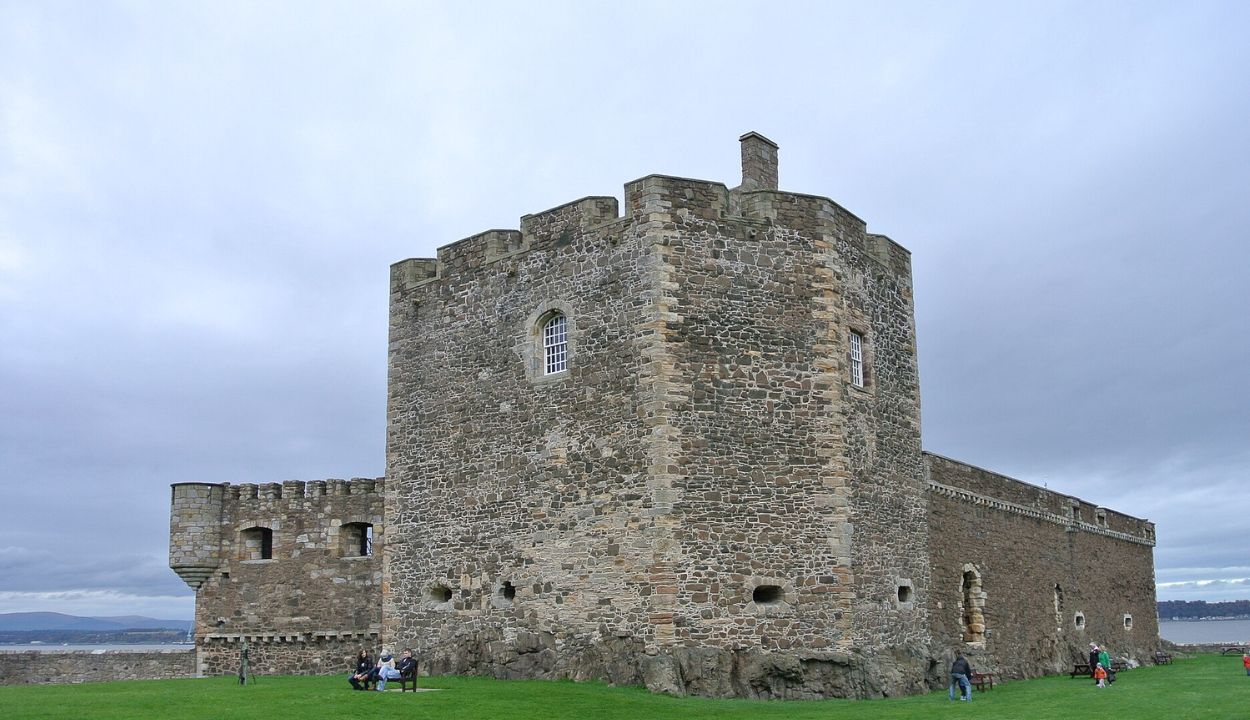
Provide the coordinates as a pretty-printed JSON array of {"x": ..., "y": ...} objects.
[
  {"x": 660, "y": 201},
  {"x": 292, "y": 490}
]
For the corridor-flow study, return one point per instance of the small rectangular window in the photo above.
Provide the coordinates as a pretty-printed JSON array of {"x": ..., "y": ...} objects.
[
  {"x": 257, "y": 543},
  {"x": 857, "y": 359}
]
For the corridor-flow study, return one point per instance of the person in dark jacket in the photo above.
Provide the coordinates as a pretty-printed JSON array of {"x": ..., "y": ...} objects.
[
  {"x": 960, "y": 672},
  {"x": 407, "y": 665},
  {"x": 364, "y": 668},
  {"x": 1093, "y": 659}
]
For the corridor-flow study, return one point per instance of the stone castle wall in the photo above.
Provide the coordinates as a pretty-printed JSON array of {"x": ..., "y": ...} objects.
[
  {"x": 41, "y": 668},
  {"x": 1041, "y": 559},
  {"x": 316, "y": 589},
  {"x": 696, "y": 504}
]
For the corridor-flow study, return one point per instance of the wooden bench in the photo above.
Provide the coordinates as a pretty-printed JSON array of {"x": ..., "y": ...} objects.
[
  {"x": 1162, "y": 658},
  {"x": 982, "y": 680},
  {"x": 408, "y": 680},
  {"x": 1084, "y": 669}
]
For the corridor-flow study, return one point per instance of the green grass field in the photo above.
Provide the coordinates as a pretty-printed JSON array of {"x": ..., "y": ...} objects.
[{"x": 1208, "y": 686}]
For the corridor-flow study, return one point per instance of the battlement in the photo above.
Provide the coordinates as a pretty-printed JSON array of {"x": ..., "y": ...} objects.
[
  {"x": 659, "y": 199},
  {"x": 974, "y": 485},
  {"x": 293, "y": 489}
]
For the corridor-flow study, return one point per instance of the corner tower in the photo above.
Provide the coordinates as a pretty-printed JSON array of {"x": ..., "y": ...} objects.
[
  {"x": 678, "y": 446},
  {"x": 196, "y": 511}
]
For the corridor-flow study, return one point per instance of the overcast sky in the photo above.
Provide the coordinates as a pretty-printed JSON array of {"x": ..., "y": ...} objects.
[{"x": 199, "y": 203}]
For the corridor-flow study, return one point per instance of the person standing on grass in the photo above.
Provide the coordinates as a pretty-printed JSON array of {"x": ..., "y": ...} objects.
[
  {"x": 1245, "y": 661},
  {"x": 1093, "y": 658},
  {"x": 1100, "y": 676},
  {"x": 1104, "y": 659},
  {"x": 960, "y": 672}
]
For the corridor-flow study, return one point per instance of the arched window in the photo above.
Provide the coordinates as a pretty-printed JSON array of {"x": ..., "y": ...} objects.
[
  {"x": 1058, "y": 607},
  {"x": 973, "y": 606},
  {"x": 257, "y": 543},
  {"x": 555, "y": 344}
]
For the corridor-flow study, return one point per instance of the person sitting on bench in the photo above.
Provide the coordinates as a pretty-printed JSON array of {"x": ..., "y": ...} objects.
[
  {"x": 407, "y": 666},
  {"x": 364, "y": 669},
  {"x": 386, "y": 670}
]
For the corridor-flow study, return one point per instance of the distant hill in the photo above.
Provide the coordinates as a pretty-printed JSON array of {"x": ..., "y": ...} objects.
[
  {"x": 1195, "y": 609},
  {"x": 19, "y": 622}
]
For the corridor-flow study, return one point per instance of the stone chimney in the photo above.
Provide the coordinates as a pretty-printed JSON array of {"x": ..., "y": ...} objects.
[{"x": 759, "y": 162}]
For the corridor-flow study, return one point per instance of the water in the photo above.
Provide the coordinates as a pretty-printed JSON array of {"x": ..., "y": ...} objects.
[
  {"x": 1178, "y": 631},
  {"x": 1205, "y": 631},
  {"x": 49, "y": 647}
]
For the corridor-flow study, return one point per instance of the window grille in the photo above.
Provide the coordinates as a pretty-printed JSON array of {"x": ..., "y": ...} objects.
[
  {"x": 357, "y": 539},
  {"x": 555, "y": 345},
  {"x": 857, "y": 359}
]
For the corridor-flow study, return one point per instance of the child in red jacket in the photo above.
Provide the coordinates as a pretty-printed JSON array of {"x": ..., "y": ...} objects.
[
  {"x": 1100, "y": 674},
  {"x": 1245, "y": 660}
]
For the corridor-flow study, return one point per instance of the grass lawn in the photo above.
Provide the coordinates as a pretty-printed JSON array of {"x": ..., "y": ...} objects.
[{"x": 1208, "y": 686}]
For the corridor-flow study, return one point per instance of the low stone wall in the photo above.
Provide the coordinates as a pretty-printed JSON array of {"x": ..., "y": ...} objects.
[
  {"x": 310, "y": 654},
  {"x": 22, "y": 668}
]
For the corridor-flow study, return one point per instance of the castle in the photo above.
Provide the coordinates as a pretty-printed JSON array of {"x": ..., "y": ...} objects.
[{"x": 676, "y": 446}]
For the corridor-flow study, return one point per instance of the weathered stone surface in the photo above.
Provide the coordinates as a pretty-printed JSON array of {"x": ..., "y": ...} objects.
[
  {"x": 1041, "y": 557},
  {"x": 704, "y": 487}
]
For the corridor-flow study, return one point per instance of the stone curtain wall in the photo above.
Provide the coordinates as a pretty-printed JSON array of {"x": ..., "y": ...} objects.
[
  {"x": 1023, "y": 541},
  {"x": 616, "y": 521},
  {"x": 316, "y": 583},
  {"x": 39, "y": 668}
]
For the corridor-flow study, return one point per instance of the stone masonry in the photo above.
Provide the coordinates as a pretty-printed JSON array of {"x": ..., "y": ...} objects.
[
  {"x": 1048, "y": 573},
  {"x": 702, "y": 502},
  {"x": 674, "y": 444},
  {"x": 40, "y": 668}
]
